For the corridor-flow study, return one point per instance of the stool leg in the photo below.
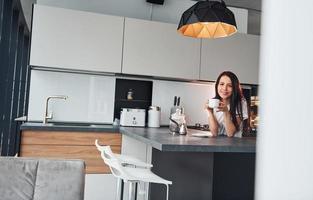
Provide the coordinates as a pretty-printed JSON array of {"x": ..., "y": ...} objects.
[
  {"x": 167, "y": 191},
  {"x": 120, "y": 189},
  {"x": 132, "y": 191},
  {"x": 136, "y": 187}
]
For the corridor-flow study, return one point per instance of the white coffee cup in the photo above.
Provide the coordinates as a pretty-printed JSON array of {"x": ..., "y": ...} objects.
[{"x": 214, "y": 103}]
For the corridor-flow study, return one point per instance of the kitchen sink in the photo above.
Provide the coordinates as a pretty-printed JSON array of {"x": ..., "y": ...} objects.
[{"x": 72, "y": 124}]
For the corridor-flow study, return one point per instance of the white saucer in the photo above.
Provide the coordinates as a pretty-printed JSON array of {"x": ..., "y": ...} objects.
[{"x": 203, "y": 134}]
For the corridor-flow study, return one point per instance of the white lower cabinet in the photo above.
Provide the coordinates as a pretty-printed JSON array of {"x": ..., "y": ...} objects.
[
  {"x": 141, "y": 151},
  {"x": 238, "y": 53},
  {"x": 156, "y": 49},
  {"x": 100, "y": 187}
]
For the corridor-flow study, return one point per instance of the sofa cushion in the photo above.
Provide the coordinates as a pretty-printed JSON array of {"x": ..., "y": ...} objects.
[
  {"x": 59, "y": 179},
  {"x": 17, "y": 178},
  {"x": 41, "y": 179}
]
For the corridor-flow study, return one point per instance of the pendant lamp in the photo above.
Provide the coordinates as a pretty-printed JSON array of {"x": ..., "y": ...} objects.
[{"x": 207, "y": 19}]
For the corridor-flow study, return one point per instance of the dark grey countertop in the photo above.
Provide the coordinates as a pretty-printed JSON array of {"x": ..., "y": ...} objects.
[
  {"x": 161, "y": 139},
  {"x": 77, "y": 127}
]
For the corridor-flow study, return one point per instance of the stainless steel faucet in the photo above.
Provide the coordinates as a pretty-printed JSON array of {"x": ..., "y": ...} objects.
[{"x": 46, "y": 117}]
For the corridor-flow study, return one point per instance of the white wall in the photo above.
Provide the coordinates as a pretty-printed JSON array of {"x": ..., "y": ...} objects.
[
  {"x": 170, "y": 11},
  {"x": 90, "y": 97},
  {"x": 285, "y": 140},
  {"x": 193, "y": 97}
]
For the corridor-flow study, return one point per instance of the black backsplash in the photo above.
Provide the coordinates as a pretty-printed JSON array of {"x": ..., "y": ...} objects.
[{"x": 142, "y": 95}]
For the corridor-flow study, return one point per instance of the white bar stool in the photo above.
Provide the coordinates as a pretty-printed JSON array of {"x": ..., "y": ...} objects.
[
  {"x": 130, "y": 169},
  {"x": 126, "y": 161}
]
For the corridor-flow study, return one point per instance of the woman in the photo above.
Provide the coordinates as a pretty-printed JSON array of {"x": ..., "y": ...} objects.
[{"x": 227, "y": 118}]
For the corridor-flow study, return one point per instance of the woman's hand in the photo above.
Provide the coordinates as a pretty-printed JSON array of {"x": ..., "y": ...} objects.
[
  {"x": 222, "y": 107},
  {"x": 206, "y": 106}
]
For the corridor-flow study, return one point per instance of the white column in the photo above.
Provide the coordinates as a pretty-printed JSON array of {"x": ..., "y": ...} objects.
[{"x": 285, "y": 140}]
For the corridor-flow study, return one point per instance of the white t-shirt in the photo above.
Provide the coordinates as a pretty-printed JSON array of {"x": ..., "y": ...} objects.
[{"x": 220, "y": 119}]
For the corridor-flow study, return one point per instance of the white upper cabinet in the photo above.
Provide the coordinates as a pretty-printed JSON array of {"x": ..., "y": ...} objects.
[
  {"x": 238, "y": 53},
  {"x": 69, "y": 39},
  {"x": 156, "y": 49}
]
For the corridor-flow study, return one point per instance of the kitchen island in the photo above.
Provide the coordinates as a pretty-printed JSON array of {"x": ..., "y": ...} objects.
[{"x": 218, "y": 168}]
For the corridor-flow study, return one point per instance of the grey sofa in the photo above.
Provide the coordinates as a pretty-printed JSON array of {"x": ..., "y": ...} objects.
[{"x": 41, "y": 179}]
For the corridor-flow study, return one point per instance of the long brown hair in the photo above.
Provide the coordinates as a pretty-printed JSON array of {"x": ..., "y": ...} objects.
[{"x": 235, "y": 98}]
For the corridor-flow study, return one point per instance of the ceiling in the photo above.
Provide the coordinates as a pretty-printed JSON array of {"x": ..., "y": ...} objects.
[
  {"x": 169, "y": 12},
  {"x": 248, "y": 4}
]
